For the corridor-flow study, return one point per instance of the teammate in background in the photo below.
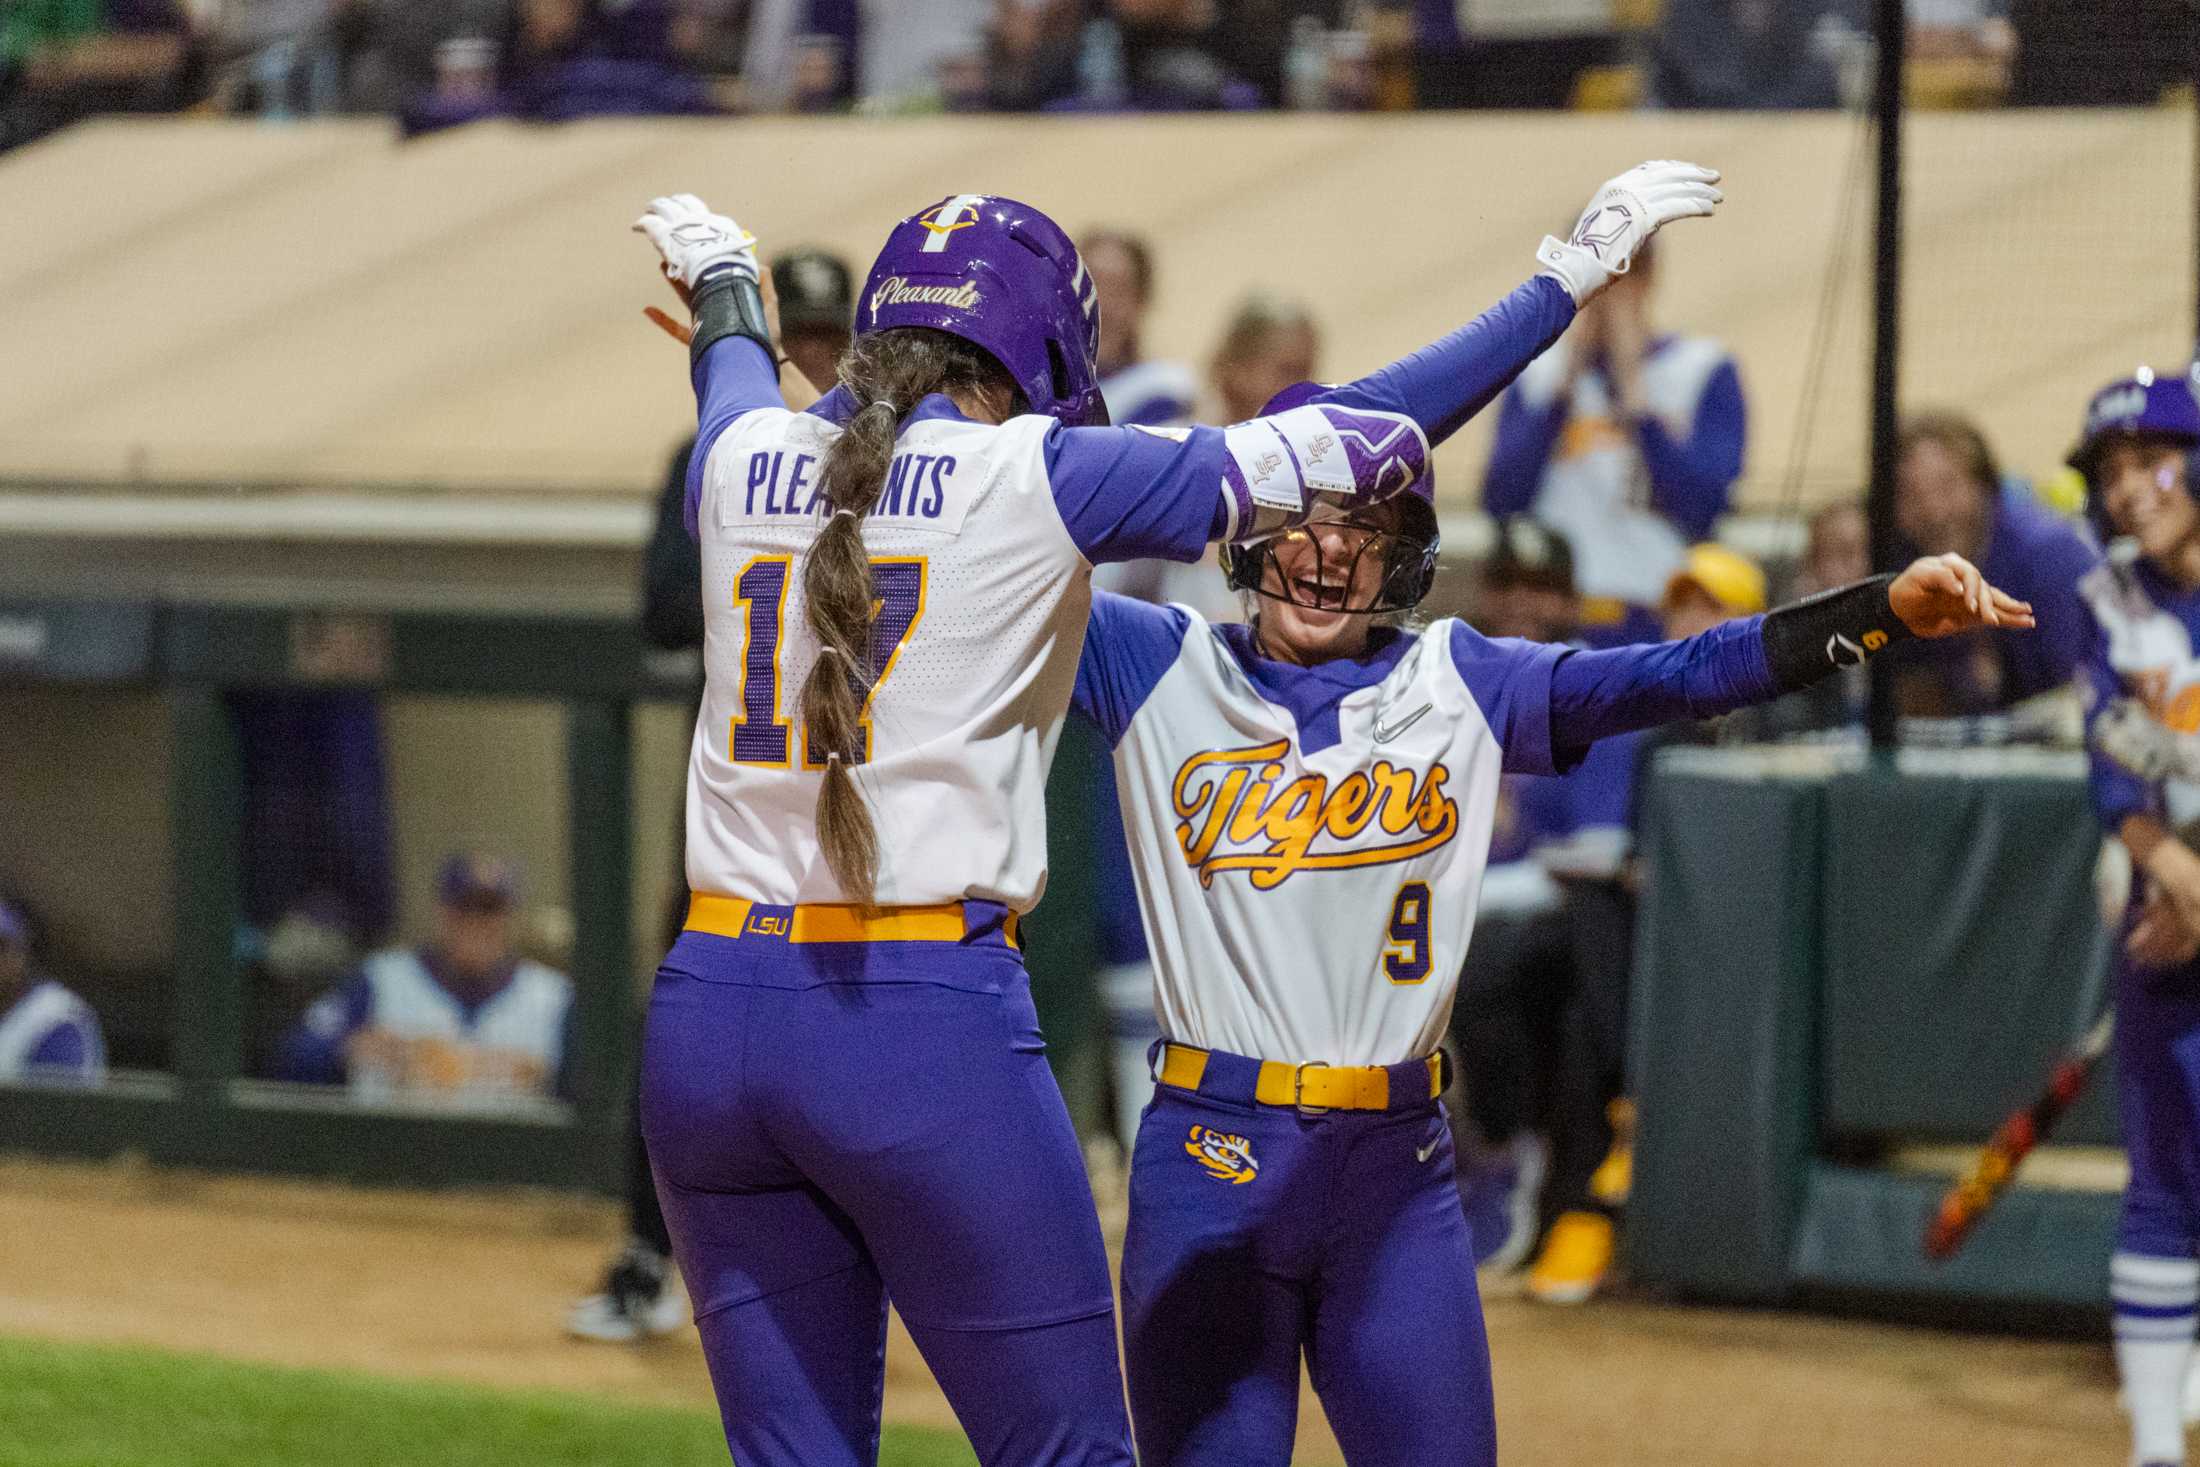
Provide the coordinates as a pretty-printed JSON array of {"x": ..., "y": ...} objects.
[
  {"x": 809, "y": 305},
  {"x": 2142, "y": 613},
  {"x": 1838, "y": 551},
  {"x": 1309, "y": 801},
  {"x": 1626, "y": 440},
  {"x": 1949, "y": 497},
  {"x": 462, "y": 1019},
  {"x": 845, "y": 1091},
  {"x": 47, "y": 1033},
  {"x": 1591, "y": 1123},
  {"x": 1268, "y": 344},
  {"x": 1139, "y": 393}
]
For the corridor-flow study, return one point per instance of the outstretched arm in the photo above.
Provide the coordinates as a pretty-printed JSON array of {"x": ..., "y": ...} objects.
[
  {"x": 1759, "y": 658},
  {"x": 1126, "y": 493}
]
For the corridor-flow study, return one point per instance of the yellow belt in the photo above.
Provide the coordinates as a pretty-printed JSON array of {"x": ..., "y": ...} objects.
[
  {"x": 725, "y": 916},
  {"x": 1309, "y": 1086}
]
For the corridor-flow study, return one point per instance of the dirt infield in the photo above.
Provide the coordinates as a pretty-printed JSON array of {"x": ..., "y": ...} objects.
[{"x": 471, "y": 1287}]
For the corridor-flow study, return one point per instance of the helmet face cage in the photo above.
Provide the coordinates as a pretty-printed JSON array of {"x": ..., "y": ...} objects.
[{"x": 1407, "y": 560}]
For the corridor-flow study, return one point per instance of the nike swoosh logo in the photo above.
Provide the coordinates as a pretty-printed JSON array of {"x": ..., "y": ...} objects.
[
  {"x": 1423, "y": 1153},
  {"x": 1385, "y": 735}
]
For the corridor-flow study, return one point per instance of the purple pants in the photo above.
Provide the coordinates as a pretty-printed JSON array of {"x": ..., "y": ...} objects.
[
  {"x": 836, "y": 1125},
  {"x": 2158, "y": 1103},
  {"x": 1256, "y": 1233}
]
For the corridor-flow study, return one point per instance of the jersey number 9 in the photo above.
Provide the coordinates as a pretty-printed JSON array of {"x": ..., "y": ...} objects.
[
  {"x": 1405, "y": 956},
  {"x": 759, "y": 734}
]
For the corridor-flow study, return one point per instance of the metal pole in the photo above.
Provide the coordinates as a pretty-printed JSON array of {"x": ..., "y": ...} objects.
[{"x": 1888, "y": 26}]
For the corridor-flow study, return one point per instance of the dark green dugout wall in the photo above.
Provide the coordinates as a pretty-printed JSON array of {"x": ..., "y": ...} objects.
[
  {"x": 204, "y": 1111},
  {"x": 1832, "y": 964}
]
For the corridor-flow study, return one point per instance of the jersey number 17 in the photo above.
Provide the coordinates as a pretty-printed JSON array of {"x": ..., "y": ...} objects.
[{"x": 760, "y": 735}]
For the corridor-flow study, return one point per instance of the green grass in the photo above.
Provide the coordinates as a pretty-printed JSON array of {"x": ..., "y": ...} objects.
[{"x": 85, "y": 1406}]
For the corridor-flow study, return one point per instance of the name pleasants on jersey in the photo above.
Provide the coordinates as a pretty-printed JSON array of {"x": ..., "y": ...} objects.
[
  {"x": 785, "y": 484},
  {"x": 1236, "y": 813}
]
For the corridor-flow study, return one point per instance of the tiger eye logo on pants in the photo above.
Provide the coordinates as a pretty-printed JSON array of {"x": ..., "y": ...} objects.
[{"x": 1226, "y": 1158}]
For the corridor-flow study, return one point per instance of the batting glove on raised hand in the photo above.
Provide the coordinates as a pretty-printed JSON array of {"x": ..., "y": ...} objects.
[
  {"x": 1623, "y": 214},
  {"x": 697, "y": 244}
]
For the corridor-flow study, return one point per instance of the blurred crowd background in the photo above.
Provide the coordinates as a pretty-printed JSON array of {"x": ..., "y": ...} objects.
[{"x": 440, "y": 63}]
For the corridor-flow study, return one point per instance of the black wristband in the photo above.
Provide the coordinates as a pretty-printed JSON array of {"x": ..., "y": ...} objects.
[
  {"x": 728, "y": 304},
  {"x": 1810, "y": 639}
]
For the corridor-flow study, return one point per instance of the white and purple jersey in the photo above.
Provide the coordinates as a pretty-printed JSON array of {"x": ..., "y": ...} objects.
[
  {"x": 51, "y": 1034},
  {"x": 2144, "y": 660},
  {"x": 982, "y": 547},
  {"x": 1310, "y": 841}
]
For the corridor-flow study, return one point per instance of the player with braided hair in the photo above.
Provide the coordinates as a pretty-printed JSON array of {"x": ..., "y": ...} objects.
[
  {"x": 845, "y": 1091},
  {"x": 1309, "y": 802}
]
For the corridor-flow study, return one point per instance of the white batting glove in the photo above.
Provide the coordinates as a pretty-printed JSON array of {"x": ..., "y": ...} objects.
[
  {"x": 695, "y": 242},
  {"x": 1623, "y": 214},
  {"x": 2132, "y": 737}
]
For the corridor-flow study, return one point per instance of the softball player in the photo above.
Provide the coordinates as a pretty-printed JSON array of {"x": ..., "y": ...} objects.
[
  {"x": 844, "y": 1093},
  {"x": 1309, "y": 802},
  {"x": 2144, "y": 703}
]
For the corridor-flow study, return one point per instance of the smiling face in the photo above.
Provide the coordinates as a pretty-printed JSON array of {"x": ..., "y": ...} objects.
[
  {"x": 2145, "y": 496},
  {"x": 1312, "y": 574}
]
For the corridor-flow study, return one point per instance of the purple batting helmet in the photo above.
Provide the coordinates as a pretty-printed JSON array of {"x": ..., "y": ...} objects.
[
  {"x": 2146, "y": 405},
  {"x": 1409, "y": 552},
  {"x": 1002, "y": 276}
]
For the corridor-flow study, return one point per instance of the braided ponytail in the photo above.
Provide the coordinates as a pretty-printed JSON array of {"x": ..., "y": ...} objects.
[{"x": 887, "y": 373}]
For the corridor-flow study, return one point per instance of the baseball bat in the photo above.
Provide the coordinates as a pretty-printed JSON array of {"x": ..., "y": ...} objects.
[{"x": 1969, "y": 1200}]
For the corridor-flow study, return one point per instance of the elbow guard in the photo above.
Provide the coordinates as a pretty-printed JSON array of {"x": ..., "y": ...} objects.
[
  {"x": 1812, "y": 638},
  {"x": 728, "y": 304}
]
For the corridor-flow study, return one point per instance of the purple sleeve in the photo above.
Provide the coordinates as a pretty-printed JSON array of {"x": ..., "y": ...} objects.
[
  {"x": 66, "y": 1047},
  {"x": 1444, "y": 384},
  {"x": 1130, "y": 494},
  {"x": 735, "y": 376},
  {"x": 312, "y": 1053},
  {"x": 1691, "y": 478},
  {"x": 1510, "y": 681},
  {"x": 1620, "y": 689},
  {"x": 2117, "y": 792},
  {"x": 1522, "y": 451},
  {"x": 1130, "y": 645}
]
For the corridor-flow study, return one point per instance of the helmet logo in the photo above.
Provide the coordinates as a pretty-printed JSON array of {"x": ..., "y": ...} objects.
[
  {"x": 943, "y": 221},
  {"x": 896, "y": 291},
  {"x": 2123, "y": 402}
]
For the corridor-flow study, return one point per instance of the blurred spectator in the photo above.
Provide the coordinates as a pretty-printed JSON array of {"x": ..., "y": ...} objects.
[
  {"x": 460, "y": 1019},
  {"x": 1138, "y": 392},
  {"x": 62, "y": 60},
  {"x": 1837, "y": 553},
  {"x": 1591, "y": 1160},
  {"x": 817, "y": 312},
  {"x": 2101, "y": 52},
  {"x": 558, "y": 60},
  {"x": 1505, "y": 1025},
  {"x": 1949, "y": 497},
  {"x": 316, "y": 836},
  {"x": 1269, "y": 344},
  {"x": 1508, "y": 53},
  {"x": 46, "y": 1032},
  {"x": 1752, "y": 55},
  {"x": 1625, "y": 439},
  {"x": 814, "y": 55}
]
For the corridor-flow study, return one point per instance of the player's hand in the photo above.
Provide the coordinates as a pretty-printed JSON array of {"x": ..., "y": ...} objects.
[
  {"x": 2160, "y": 938},
  {"x": 2176, "y": 874},
  {"x": 696, "y": 244},
  {"x": 1941, "y": 595},
  {"x": 1621, "y": 215},
  {"x": 683, "y": 333}
]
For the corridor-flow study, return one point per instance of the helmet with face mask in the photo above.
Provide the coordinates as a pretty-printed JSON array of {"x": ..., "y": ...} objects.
[{"x": 1399, "y": 531}]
